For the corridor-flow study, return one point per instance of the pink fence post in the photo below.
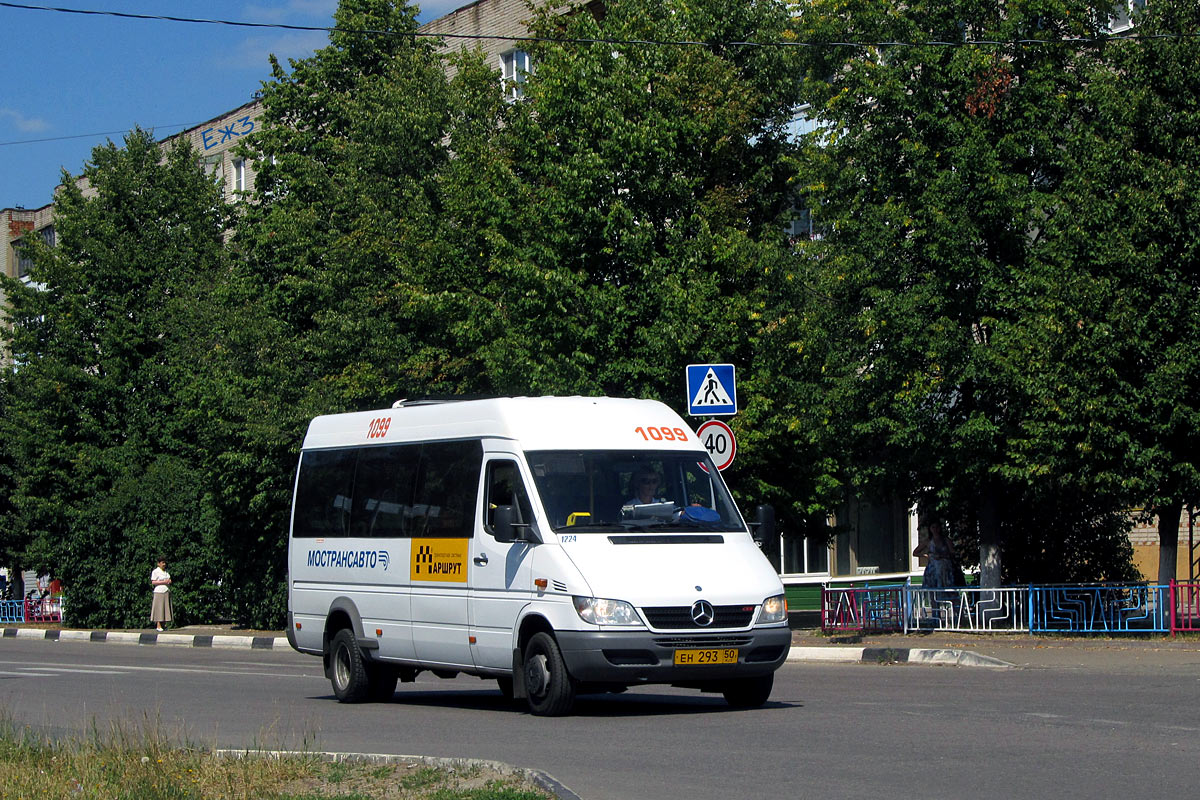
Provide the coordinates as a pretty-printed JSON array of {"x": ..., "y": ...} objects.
[{"x": 1174, "y": 610}]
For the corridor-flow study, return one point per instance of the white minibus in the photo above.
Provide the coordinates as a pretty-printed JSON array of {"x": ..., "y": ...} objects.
[{"x": 557, "y": 545}]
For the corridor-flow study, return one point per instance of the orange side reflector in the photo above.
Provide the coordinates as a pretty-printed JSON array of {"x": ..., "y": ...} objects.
[
  {"x": 471, "y": 640},
  {"x": 379, "y": 631},
  {"x": 541, "y": 583},
  {"x": 297, "y": 626}
]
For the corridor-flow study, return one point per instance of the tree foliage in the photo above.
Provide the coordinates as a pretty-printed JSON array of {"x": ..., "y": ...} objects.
[
  {"x": 104, "y": 466},
  {"x": 624, "y": 217},
  {"x": 942, "y": 166}
]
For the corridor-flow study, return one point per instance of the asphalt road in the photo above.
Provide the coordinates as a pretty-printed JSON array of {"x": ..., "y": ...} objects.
[{"x": 1108, "y": 729}]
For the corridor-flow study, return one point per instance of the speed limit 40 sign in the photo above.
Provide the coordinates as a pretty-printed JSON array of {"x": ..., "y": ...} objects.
[{"x": 717, "y": 438}]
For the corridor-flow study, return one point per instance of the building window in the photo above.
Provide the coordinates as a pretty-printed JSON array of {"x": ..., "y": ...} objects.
[
  {"x": 804, "y": 555},
  {"x": 514, "y": 68},
  {"x": 239, "y": 174},
  {"x": 1123, "y": 13},
  {"x": 214, "y": 167}
]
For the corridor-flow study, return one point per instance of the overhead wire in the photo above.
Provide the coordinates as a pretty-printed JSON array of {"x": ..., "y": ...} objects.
[
  {"x": 560, "y": 40},
  {"x": 1070, "y": 40}
]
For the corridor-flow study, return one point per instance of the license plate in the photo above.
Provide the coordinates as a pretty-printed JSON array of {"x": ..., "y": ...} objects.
[{"x": 691, "y": 658}]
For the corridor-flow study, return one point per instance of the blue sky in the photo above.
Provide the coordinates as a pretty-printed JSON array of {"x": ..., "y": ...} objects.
[{"x": 67, "y": 75}]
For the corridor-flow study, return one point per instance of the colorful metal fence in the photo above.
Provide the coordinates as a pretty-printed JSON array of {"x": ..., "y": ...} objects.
[
  {"x": 47, "y": 609},
  {"x": 872, "y": 609},
  {"x": 966, "y": 609},
  {"x": 1100, "y": 608},
  {"x": 12, "y": 611},
  {"x": 1185, "y": 607},
  {"x": 1066, "y": 608}
]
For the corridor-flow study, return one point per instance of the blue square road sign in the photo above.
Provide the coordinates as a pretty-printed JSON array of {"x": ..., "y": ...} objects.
[{"x": 710, "y": 390}]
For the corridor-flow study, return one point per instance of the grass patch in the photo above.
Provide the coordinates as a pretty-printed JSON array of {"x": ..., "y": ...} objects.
[{"x": 142, "y": 763}]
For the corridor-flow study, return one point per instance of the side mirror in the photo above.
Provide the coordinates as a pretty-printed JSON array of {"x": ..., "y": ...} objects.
[
  {"x": 504, "y": 525},
  {"x": 764, "y": 525},
  {"x": 506, "y": 529}
]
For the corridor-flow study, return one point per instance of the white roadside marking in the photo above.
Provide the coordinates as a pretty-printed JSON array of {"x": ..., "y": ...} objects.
[{"x": 131, "y": 668}]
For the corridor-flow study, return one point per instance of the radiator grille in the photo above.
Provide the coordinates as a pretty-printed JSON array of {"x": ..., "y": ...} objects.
[{"x": 670, "y": 618}]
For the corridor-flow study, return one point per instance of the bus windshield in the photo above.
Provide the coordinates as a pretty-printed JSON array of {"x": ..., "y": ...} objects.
[{"x": 612, "y": 491}]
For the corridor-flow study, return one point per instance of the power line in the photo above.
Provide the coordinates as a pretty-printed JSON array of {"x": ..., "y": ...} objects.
[
  {"x": 90, "y": 135},
  {"x": 1073, "y": 40}
]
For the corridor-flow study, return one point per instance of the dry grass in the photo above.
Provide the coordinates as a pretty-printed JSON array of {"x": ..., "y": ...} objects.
[{"x": 140, "y": 763}]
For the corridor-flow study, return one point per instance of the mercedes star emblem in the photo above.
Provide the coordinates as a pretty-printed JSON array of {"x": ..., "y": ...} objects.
[{"x": 702, "y": 613}]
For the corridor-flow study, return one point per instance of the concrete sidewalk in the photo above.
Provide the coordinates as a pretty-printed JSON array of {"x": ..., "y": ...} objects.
[{"x": 1130, "y": 651}]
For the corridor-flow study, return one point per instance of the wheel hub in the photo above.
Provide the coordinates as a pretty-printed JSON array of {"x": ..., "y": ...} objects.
[
  {"x": 537, "y": 676},
  {"x": 341, "y": 668}
]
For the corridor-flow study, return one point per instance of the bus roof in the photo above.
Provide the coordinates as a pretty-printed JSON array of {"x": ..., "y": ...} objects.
[{"x": 534, "y": 423}]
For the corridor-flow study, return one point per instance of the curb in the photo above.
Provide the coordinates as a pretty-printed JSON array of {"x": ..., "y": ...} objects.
[
  {"x": 896, "y": 655},
  {"x": 831, "y": 654},
  {"x": 541, "y": 779},
  {"x": 153, "y": 638}
]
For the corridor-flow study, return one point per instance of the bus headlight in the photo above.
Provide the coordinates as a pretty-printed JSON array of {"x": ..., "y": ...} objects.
[
  {"x": 774, "y": 609},
  {"x": 598, "y": 611}
]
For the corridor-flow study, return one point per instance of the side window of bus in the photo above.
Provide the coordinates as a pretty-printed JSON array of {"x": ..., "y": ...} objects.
[
  {"x": 323, "y": 492},
  {"x": 504, "y": 487},
  {"x": 447, "y": 489},
  {"x": 383, "y": 490}
]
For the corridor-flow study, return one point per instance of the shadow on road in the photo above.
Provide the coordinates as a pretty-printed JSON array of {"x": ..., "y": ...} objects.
[{"x": 608, "y": 706}]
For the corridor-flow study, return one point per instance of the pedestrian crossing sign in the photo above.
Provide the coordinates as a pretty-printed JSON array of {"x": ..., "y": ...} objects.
[{"x": 710, "y": 390}]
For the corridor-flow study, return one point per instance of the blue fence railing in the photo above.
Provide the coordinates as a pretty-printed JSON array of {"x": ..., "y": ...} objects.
[
  {"x": 1063, "y": 608},
  {"x": 12, "y": 610},
  {"x": 1106, "y": 608}
]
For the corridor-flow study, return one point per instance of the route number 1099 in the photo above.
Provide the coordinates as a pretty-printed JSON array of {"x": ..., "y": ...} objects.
[
  {"x": 379, "y": 428},
  {"x": 651, "y": 432}
]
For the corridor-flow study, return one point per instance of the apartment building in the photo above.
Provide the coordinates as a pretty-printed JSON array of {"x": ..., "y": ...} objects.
[{"x": 214, "y": 140}]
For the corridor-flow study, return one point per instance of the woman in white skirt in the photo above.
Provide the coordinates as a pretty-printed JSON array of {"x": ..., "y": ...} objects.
[{"x": 160, "y": 608}]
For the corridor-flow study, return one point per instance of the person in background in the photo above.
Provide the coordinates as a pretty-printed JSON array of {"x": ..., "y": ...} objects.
[
  {"x": 940, "y": 571},
  {"x": 160, "y": 606}
]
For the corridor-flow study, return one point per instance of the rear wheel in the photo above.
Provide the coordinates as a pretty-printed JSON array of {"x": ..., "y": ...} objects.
[
  {"x": 550, "y": 688},
  {"x": 348, "y": 670},
  {"x": 749, "y": 692}
]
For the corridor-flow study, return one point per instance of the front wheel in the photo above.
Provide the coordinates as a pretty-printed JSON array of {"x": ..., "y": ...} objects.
[
  {"x": 749, "y": 692},
  {"x": 550, "y": 688}
]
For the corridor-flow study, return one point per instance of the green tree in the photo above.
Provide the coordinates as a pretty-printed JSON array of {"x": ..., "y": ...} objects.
[
  {"x": 1130, "y": 214},
  {"x": 102, "y": 462},
  {"x": 327, "y": 304},
  {"x": 942, "y": 165},
  {"x": 624, "y": 217}
]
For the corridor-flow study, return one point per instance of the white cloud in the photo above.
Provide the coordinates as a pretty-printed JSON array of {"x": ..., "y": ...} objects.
[{"x": 23, "y": 123}]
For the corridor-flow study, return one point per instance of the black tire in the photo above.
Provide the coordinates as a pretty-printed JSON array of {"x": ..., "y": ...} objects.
[
  {"x": 347, "y": 668},
  {"x": 381, "y": 682},
  {"x": 550, "y": 688},
  {"x": 749, "y": 692}
]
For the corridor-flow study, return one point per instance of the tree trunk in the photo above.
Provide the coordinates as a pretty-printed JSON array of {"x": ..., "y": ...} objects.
[
  {"x": 1168, "y": 539},
  {"x": 989, "y": 540}
]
